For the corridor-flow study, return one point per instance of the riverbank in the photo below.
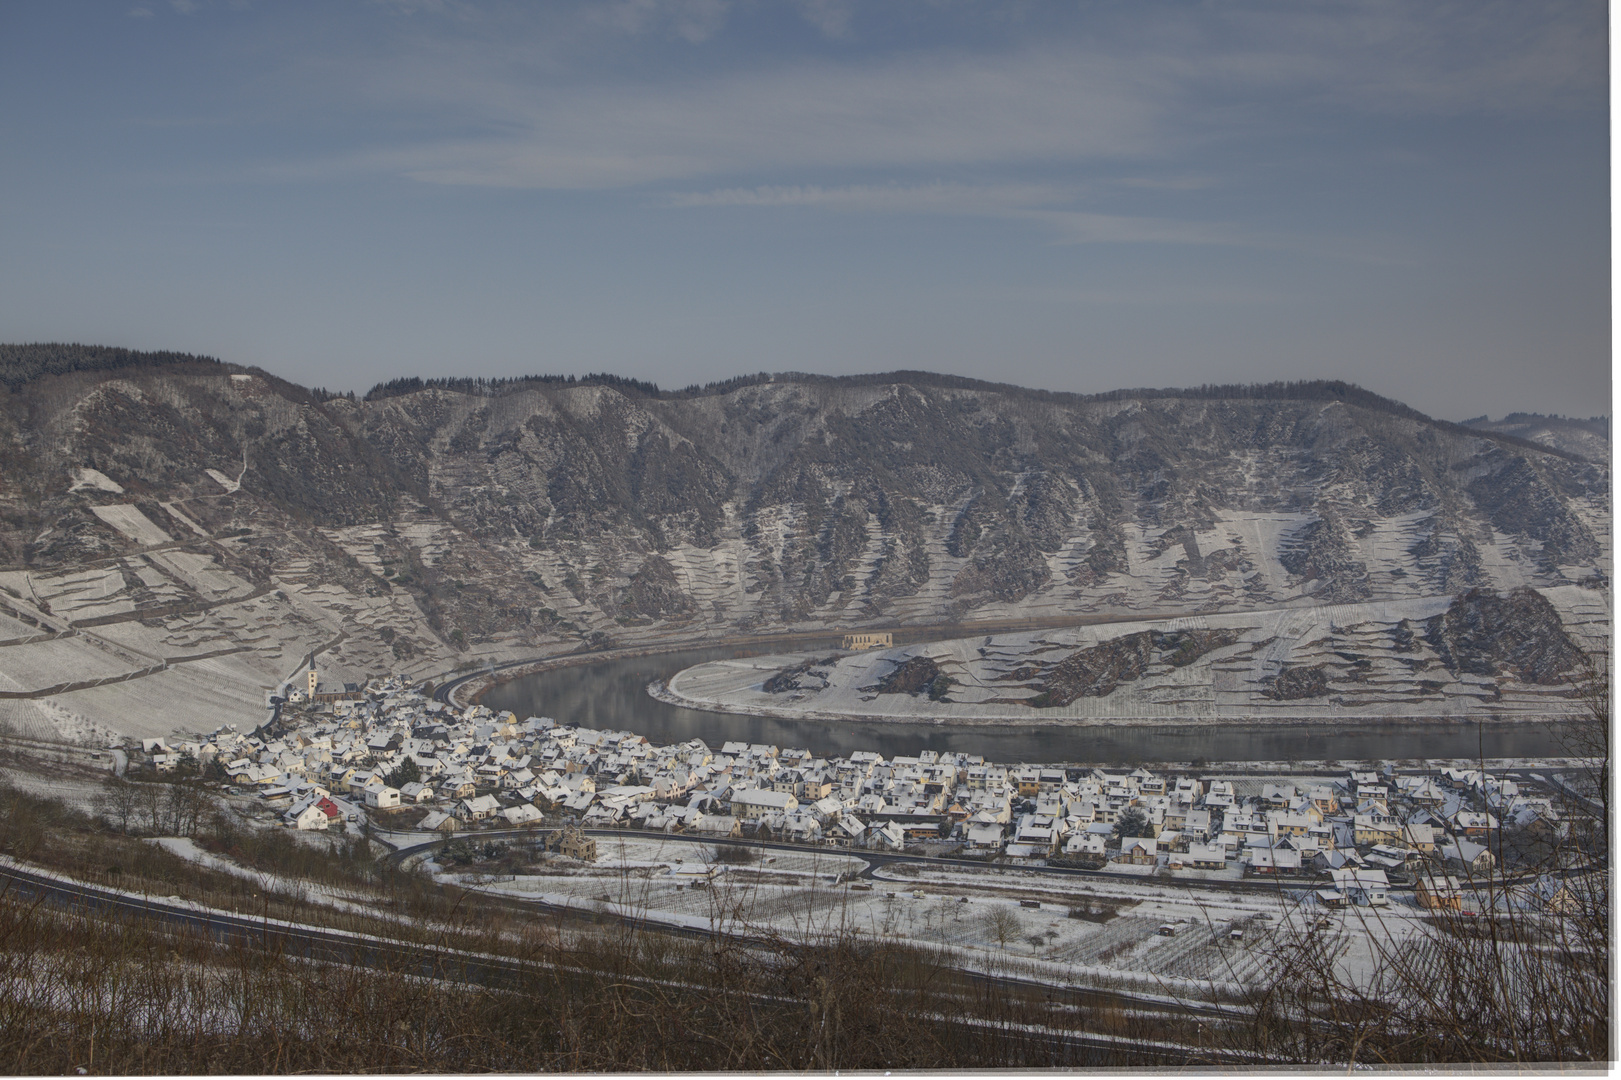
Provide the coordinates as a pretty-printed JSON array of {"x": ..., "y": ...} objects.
[
  {"x": 1365, "y": 662},
  {"x": 1035, "y": 718},
  {"x": 610, "y": 693},
  {"x": 470, "y": 687}
]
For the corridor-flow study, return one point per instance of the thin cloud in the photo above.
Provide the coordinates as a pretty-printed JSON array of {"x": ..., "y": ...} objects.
[
  {"x": 521, "y": 118},
  {"x": 1006, "y": 110},
  {"x": 694, "y": 21},
  {"x": 831, "y": 17},
  {"x": 1040, "y": 204},
  {"x": 1165, "y": 183},
  {"x": 453, "y": 8},
  {"x": 939, "y": 197},
  {"x": 1141, "y": 109},
  {"x": 1438, "y": 58},
  {"x": 1086, "y": 227},
  {"x": 1160, "y": 295}
]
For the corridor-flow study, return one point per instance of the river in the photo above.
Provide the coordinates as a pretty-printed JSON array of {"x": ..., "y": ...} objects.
[{"x": 612, "y": 695}]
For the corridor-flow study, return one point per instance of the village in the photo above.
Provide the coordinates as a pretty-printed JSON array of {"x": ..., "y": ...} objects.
[{"x": 387, "y": 758}]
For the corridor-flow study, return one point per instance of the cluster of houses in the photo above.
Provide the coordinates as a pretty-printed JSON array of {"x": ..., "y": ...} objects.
[{"x": 389, "y": 748}]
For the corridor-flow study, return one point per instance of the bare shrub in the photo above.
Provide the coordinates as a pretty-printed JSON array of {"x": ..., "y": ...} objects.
[
  {"x": 733, "y": 854},
  {"x": 1524, "y": 979}
]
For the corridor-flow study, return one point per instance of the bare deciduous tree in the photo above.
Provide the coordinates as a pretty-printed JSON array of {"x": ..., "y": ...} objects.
[
  {"x": 1526, "y": 979},
  {"x": 117, "y": 803},
  {"x": 1002, "y": 925}
]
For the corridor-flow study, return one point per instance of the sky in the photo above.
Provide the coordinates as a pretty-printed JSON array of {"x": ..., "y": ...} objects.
[{"x": 1413, "y": 197}]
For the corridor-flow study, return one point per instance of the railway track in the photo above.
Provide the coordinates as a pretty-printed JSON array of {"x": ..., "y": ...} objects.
[{"x": 329, "y": 945}]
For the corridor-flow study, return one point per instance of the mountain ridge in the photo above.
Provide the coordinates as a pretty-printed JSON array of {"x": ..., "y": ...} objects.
[
  {"x": 204, "y": 506},
  {"x": 21, "y": 363}
]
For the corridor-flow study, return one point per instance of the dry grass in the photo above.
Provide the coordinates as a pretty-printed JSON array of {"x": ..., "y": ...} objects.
[
  {"x": 1521, "y": 981},
  {"x": 78, "y": 992},
  {"x": 1516, "y": 987},
  {"x": 575, "y": 993},
  {"x": 49, "y": 833}
]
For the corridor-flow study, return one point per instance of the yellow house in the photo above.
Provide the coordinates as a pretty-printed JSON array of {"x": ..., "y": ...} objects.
[
  {"x": 1376, "y": 829},
  {"x": 1444, "y": 892}
]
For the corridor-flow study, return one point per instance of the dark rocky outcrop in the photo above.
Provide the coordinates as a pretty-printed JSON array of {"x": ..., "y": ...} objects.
[
  {"x": 1297, "y": 683},
  {"x": 654, "y": 592},
  {"x": 1008, "y": 569},
  {"x": 793, "y": 677},
  {"x": 1098, "y": 670},
  {"x": 1180, "y": 648},
  {"x": 1321, "y": 552},
  {"x": 1520, "y": 500},
  {"x": 914, "y": 676},
  {"x": 1519, "y": 634}
]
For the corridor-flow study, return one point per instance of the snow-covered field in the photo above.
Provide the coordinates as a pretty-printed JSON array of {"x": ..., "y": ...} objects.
[
  {"x": 681, "y": 883},
  {"x": 991, "y": 675},
  {"x": 75, "y": 791},
  {"x": 984, "y": 917}
]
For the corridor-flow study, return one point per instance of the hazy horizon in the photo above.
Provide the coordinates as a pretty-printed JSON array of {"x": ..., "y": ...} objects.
[{"x": 1412, "y": 197}]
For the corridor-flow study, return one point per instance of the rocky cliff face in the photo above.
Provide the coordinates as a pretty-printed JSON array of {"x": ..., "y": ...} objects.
[
  {"x": 198, "y": 507},
  {"x": 1097, "y": 671},
  {"x": 1520, "y": 634}
]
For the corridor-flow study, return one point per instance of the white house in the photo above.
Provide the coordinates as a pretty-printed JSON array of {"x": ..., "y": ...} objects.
[
  {"x": 1273, "y": 860},
  {"x": 479, "y": 808},
  {"x": 437, "y": 821},
  {"x": 382, "y": 797},
  {"x": 750, "y": 804},
  {"x": 847, "y": 830},
  {"x": 1039, "y": 831},
  {"x": 1138, "y": 849},
  {"x": 1085, "y": 843},
  {"x": 983, "y": 837},
  {"x": 716, "y": 825},
  {"x": 890, "y": 835},
  {"x": 316, "y": 814},
  {"x": 522, "y": 814},
  {"x": 1368, "y": 886}
]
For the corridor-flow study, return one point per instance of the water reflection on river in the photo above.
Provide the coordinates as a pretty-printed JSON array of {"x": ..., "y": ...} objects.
[{"x": 612, "y": 695}]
